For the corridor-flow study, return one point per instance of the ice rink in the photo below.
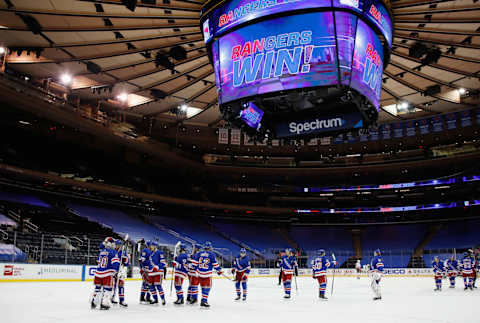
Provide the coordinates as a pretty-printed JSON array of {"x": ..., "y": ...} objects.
[{"x": 404, "y": 300}]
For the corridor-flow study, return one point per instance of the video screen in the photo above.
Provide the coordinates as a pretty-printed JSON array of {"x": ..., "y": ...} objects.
[
  {"x": 367, "y": 64},
  {"x": 299, "y": 51},
  {"x": 252, "y": 115},
  {"x": 279, "y": 54},
  {"x": 236, "y": 12}
]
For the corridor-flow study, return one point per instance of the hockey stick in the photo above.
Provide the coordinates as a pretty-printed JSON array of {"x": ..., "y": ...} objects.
[
  {"x": 229, "y": 278},
  {"x": 120, "y": 268},
  {"x": 173, "y": 271},
  {"x": 295, "y": 279},
  {"x": 333, "y": 278}
]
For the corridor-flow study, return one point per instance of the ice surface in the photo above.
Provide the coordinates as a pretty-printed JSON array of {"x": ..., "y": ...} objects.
[{"x": 404, "y": 300}]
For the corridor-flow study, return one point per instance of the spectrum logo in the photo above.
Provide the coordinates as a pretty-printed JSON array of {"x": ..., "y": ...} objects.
[{"x": 299, "y": 128}]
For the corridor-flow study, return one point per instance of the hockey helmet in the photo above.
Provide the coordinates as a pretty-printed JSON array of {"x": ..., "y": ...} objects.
[
  {"x": 207, "y": 245},
  {"x": 109, "y": 242},
  {"x": 102, "y": 246},
  {"x": 377, "y": 252},
  {"x": 321, "y": 252},
  {"x": 182, "y": 247},
  {"x": 118, "y": 242},
  {"x": 243, "y": 251}
]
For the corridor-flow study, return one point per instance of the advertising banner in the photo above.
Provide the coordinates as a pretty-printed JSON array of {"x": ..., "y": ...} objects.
[
  {"x": 386, "y": 131},
  {"x": 424, "y": 126},
  {"x": 319, "y": 125},
  {"x": 398, "y": 130},
  {"x": 33, "y": 272}
]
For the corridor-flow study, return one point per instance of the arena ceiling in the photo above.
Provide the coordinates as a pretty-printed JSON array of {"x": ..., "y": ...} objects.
[{"x": 73, "y": 33}]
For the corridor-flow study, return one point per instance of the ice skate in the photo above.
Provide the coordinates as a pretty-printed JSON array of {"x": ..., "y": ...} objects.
[
  {"x": 377, "y": 298},
  {"x": 179, "y": 301},
  {"x": 204, "y": 304},
  {"x": 244, "y": 298},
  {"x": 237, "y": 298}
]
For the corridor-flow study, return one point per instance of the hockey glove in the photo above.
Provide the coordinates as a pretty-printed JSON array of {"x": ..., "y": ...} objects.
[
  {"x": 233, "y": 271},
  {"x": 219, "y": 273}
]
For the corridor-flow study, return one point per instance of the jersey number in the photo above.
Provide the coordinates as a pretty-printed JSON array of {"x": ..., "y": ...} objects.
[
  {"x": 203, "y": 263},
  {"x": 103, "y": 262}
]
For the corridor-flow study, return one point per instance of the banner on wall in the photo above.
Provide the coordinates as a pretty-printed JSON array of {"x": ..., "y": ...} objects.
[
  {"x": 410, "y": 129},
  {"x": 386, "y": 131},
  {"x": 424, "y": 126},
  {"x": 398, "y": 130},
  {"x": 338, "y": 139},
  {"x": 350, "y": 138},
  {"x": 477, "y": 113},
  {"x": 275, "y": 142},
  {"x": 374, "y": 134},
  {"x": 223, "y": 136},
  {"x": 466, "y": 118},
  {"x": 451, "y": 120},
  {"x": 437, "y": 124},
  {"x": 235, "y": 137},
  {"x": 312, "y": 142}
]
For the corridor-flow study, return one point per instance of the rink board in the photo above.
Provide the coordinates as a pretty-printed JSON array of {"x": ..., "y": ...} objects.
[{"x": 10, "y": 272}]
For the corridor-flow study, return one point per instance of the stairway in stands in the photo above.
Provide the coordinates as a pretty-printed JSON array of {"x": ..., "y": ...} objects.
[
  {"x": 417, "y": 259},
  {"x": 357, "y": 249}
]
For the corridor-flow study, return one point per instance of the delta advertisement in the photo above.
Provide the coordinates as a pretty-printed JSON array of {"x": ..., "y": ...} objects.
[
  {"x": 299, "y": 52},
  {"x": 236, "y": 12}
]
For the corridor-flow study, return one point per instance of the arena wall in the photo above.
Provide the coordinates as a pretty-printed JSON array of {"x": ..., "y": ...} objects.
[{"x": 10, "y": 272}]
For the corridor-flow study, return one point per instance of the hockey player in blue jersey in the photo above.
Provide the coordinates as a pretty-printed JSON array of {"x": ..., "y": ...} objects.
[
  {"x": 108, "y": 264},
  {"x": 192, "y": 292},
  {"x": 376, "y": 271},
  {"x": 288, "y": 265},
  {"x": 145, "y": 267},
  {"x": 240, "y": 271},
  {"x": 205, "y": 262},
  {"x": 438, "y": 272},
  {"x": 158, "y": 266},
  {"x": 467, "y": 264},
  {"x": 452, "y": 270},
  {"x": 319, "y": 272},
  {"x": 121, "y": 275},
  {"x": 180, "y": 264}
]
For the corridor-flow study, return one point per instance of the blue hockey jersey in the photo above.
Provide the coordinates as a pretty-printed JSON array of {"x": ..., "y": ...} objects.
[
  {"x": 107, "y": 263},
  {"x": 320, "y": 266},
  {"x": 157, "y": 260},
  {"x": 376, "y": 265},
  {"x": 145, "y": 262},
  {"x": 288, "y": 264},
  {"x": 438, "y": 267},
  {"x": 181, "y": 265},
  {"x": 452, "y": 265},
  {"x": 467, "y": 264},
  {"x": 242, "y": 264},
  {"x": 205, "y": 261}
]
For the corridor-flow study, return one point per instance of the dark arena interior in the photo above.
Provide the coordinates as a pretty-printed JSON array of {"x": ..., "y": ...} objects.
[{"x": 161, "y": 157}]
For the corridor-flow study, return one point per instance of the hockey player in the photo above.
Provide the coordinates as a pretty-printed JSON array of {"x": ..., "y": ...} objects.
[
  {"x": 358, "y": 268},
  {"x": 289, "y": 262},
  {"x": 192, "y": 293},
  {"x": 452, "y": 270},
  {"x": 145, "y": 267},
  {"x": 122, "y": 274},
  {"x": 477, "y": 269},
  {"x": 108, "y": 264},
  {"x": 241, "y": 270},
  {"x": 158, "y": 266},
  {"x": 319, "y": 272},
  {"x": 439, "y": 272},
  {"x": 205, "y": 261},
  {"x": 279, "y": 265},
  {"x": 467, "y": 270},
  {"x": 376, "y": 271},
  {"x": 181, "y": 272}
]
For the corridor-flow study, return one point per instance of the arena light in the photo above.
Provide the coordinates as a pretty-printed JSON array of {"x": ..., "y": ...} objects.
[
  {"x": 122, "y": 97},
  {"x": 3, "y": 50},
  {"x": 66, "y": 78},
  {"x": 403, "y": 105},
  {"x": 462, "y": 91}
]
